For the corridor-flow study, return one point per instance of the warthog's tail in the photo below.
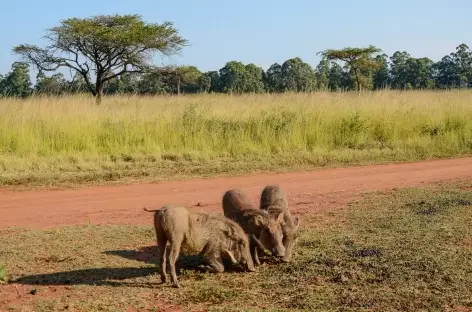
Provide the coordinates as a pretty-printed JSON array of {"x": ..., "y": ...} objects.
[{"x": 149, "y": 210}]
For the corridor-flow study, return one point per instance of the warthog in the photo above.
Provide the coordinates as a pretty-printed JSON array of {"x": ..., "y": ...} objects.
[
  {"x": 199, "y": 233},
  {"x": 264, "y": 229},
  {"x": 274, "y": 201}
]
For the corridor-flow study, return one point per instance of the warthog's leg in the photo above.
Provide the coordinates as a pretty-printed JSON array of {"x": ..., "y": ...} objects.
[
  {"x": 255, "y": 256},
  {"x": 175, "y": 244},
  {"x": 161, "y": 242},
  {"x": 254, "y": 243}
]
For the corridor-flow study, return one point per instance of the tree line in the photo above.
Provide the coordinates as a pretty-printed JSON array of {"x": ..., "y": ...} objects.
[{"x": 116, "y": 51}]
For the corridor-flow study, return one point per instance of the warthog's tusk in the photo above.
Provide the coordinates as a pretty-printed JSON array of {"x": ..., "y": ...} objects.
[{"x": 231, "y": 256}]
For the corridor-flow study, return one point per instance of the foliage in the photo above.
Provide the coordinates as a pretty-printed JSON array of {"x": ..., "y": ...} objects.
[
  {"x": 3, "y": 273},
  {"x": 16, "y": 83},
  {"x": 54, "y": 85},
  {"x": 322, "y": 74},
  {"x": 359, "y": 60},
  {"x": 293, "y": 75},
  {"x": 399, "y": 71},
  {"x": 381, "y": 78},
  {"x": 298, "y": 76},
  {"x": 274, "y": 79},
  {"x": 235, "y": 77},
  {"x": 455, "y": 70},
  {"x": 105, "y": 46}
]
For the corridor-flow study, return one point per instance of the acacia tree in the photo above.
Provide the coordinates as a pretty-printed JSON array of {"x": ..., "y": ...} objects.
[
  {"x": 359, "y": 60},
  {"x": 105, "y": 46}
]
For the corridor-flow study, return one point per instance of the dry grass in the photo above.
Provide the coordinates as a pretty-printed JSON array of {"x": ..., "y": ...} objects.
[
  {"x": 403, "y": 251},
  {"x": 70, "y": 140}
]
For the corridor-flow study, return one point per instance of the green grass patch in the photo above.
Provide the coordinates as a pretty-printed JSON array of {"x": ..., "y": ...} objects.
[
  {"x": 405, "y": 251},
  {"x": 3, "y": 273},
  {"x": 71, "y": 140}
]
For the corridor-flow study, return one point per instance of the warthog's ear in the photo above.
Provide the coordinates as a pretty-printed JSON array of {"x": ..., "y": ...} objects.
[
  {"x": 296, "y": 222},
  {"x": 281, "y": 217},
  {"x": 259, "y": 221},
  {"x": 231, "y": 256},
  {"x": 228, "y": 232}
]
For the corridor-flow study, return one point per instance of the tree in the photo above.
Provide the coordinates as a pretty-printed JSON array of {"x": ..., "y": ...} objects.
[
  {"x": 358, "y": 60},
  {"x": 420, "y": 73},
  {"x": 462, "y": 59},
  {"x": 149, "y": 83},
  {"x": 381, "y": 75},
  {"x": 232, "y": 77},
  {"x": 254, "y": 82},
  {"x": 411, "y": 73},
  {"x": 214, "y": 80},
  {"x": 205, "y": 83},
  {"x": 17, "y": 82},
  {"x": 189, "y": 77},
  {"x": 105, "y": 46},
  {"x": 298, "y": 76},
  {"x": 455, "y": 70},
  {"x": 446, "y": 73},
  {"x": 322, "y": 74},
  {"x": 339, "y": 79},
  {"x": 54, "y": 85},
  {"x": 78, "y": 84},
  {"x": 274, "y": 79},
  {"x": 235, "y": 77},
  {"x": 113, "y": 86},
  {"x": 399, "y": 69},
  {"x": 183, "y": 79},
  {"x": 130, "y": 83},
  {"x": 2, "y": 85}
]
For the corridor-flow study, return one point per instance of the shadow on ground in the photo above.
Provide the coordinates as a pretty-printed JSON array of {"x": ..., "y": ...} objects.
[
  {"x": 150, "y": 255},
  {"x": 97, "y": 277},
  {"x": 118, "y": 276}
]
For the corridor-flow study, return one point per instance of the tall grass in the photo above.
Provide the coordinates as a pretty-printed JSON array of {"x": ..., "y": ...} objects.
[{"x": 221, "y": 133}]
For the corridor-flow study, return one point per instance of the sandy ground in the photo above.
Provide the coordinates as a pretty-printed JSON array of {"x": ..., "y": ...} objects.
[{"x": 308, "y": 193}]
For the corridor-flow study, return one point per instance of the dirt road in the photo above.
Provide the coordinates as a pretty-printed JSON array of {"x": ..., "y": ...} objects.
[{"x": 308, "y": 192}]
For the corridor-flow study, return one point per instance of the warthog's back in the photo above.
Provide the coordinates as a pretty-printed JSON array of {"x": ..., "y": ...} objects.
[
  {"x": 172, "y": 219},
  {"x": 207, "y": 229},
  {"x": 176, "y": 221},
  {"x": 235, "y": 201},
  {"x": 273, "y": 199}
]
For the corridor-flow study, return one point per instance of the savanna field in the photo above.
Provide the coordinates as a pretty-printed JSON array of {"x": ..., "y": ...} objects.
[
  {"x": 405, "y": 249},
  {"x": 70, "y": 140},
  {"x": 235, "y": 160}
]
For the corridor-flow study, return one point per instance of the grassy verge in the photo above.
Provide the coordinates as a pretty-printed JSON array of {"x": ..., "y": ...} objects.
[
  {"x": 405, "y": 251},
  {"x": 3, "y": 273},
  {"x": 69, "y": 140}
]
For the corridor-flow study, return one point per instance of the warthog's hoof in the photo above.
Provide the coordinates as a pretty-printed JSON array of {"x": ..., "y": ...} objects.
[{"x": 176, "y": 285}]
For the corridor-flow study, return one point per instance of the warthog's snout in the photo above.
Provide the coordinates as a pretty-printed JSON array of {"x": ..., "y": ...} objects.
[
  {"x": 250, "y": 267},
  {"x": 279, "y": 252}
]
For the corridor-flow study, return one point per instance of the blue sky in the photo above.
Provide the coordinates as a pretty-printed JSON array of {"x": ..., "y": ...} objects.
[{"x": 261, "y": 31}]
